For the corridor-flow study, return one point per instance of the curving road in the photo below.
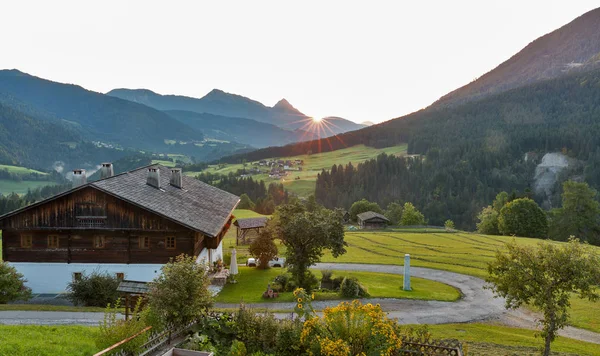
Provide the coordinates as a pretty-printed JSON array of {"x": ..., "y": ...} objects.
[{"x": 476, "y": 304}]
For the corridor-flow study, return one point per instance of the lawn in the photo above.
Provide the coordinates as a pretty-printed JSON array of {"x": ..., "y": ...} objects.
[
  {"x": 20, "y": 170},
  {"x": 495, "y": 340},
  {"x": 313, "y": 164},
  {"x": 39, "y": 340},
  {"x": 253, "y": 282},
  {"x": 456, "y": 252},
  {"x": 10, "y": 186}
]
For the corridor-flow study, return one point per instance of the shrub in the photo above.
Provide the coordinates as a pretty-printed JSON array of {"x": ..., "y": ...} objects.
[
  {"x": 337, "y": 282},
  {"x": 237, "y": 349},
  {"x": 97, "y": 289},
  {"x": 180, "y": 294},
  {"x": 257, "y": 331},
  {"x": 326, "y": 275},
  {"x": 310, "y": 280},
  {"x": 523, "y": 217},
  {"x": 12, "y": 284},
  {"x": 287, "y": 342},
  {"x": 351, "y": 329},
  {"x": 113, "y": 330},
  {"x": 350, "y": 288},
  {"x": 411, "y": 216},
  {"x": 449, "y": 225},
  {"x": 282, "y": 280}
]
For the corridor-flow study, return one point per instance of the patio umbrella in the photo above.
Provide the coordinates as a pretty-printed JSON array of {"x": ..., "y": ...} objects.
[{"x": 233, "y": 269}]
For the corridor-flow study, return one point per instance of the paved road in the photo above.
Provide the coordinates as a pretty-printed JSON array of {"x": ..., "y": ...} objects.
[{"x": 476, "y": 304}]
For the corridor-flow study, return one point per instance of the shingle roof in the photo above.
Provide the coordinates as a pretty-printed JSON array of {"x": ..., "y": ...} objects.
[
  {"x": 135, "y": 287},
  {"x": 251, "y": 223},
  {"x": 197, "y": 205},
  {"x": 370, "y": 215}
]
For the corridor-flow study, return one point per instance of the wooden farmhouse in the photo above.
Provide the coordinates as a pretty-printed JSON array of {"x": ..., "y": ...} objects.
[
  {"x": 128, "y": 225},
  {"x": 372, "y": 220}
]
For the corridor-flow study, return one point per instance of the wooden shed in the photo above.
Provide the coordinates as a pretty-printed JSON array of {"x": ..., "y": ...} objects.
[
  {"x": 372, "y": 220},
  {"x": 245, "y": 226}
]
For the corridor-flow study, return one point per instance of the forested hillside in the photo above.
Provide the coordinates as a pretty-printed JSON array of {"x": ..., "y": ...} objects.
[
  {"x": 28, "y": 141},
  {"x": 97, "y": 117},
  {"x": 472, "y": 152}
]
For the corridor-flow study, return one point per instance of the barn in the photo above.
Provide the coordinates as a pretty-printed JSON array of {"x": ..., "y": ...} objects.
[
  {"x": 128, "y": 225},
  {"x": 372, "y": 220}
]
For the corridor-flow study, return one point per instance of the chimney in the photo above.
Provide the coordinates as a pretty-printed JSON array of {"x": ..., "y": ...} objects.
[
  {"x": 153, "y": 177},
  {"x": 106, "y": 171},
  {"x": 176, "y": 180},
  {"x": 79, "y": 177}
]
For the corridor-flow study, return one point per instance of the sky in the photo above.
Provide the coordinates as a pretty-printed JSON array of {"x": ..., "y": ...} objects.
[{"x": 360, "y": 60}]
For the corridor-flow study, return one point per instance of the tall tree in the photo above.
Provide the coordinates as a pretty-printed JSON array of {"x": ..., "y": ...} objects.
[
  {"x": 578, "y": 216},
  {"x": 411, "y": 216},
  {"x": 545, "y": 277},
  {"x": 263, "y": 248},
  {"x": 394, "y": 213},
  {"x": 362, "y": 206},
  {"x": 306, "y": 234}
]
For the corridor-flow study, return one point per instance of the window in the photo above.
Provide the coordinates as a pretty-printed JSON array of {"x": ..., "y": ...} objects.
[
  {"x": 99, "y": 241},
  {"x": 52, "y": 241},
  {"x": 120, "y": 275},
  {"x": 76, "y": 276},
  {"x": 26, "y": 241},
  {"x": 143, "y": 242},
  {"x": 170, "y": 242}
]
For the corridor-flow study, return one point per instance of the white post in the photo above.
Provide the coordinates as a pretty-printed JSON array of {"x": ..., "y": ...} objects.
[{"x": 407, "y": 272}]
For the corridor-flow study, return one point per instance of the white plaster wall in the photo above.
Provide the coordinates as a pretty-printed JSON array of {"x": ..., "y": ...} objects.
[
  {"x": 211, "y": 255},
  {"x": 54, "y": 277}
]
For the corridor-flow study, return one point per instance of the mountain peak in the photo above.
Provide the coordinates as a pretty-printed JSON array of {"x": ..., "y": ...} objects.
[{"x": 284, "y": 106}]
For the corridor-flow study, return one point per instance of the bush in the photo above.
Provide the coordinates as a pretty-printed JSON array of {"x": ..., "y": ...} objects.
[
  {"x": 287, "y": 342},
  {"x": 180, "y": 294},
  {"x": 351, "y": 329},
  {"x": 411, "y": 216},
  {"x": 113, "y": 330},
  {"x": 311, "y": 281},
  {"x": 337, "y": 282},
  {"x": 12, "y": 285},
  {"x": 282, "y": 280},
  {"x": 237, "y": 349},
  {"x": 449, "y": 225},
  {"x": 326, "y": 275},
  {"x": 523, "y": 217},
  {"x": 257, "y": 331},
  {"x": 98, "y": 289},
  {"x": 350, "y": 288}
]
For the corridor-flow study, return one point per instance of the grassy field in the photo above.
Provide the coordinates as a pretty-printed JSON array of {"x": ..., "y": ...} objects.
[
  {"x": 494, "y": 340},
  {"x": 302, "y": 182},
  {"x": 163, "y": 162},
  {"x": 20, "y": 170},
  {"x": 10, "y": 186},
  {"x": 26, "y": 340},
  {"x": 253, "y": 282}
]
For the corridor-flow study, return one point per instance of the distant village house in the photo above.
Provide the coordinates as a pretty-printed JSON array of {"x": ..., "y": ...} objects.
[{"x": 372, "y": 220}]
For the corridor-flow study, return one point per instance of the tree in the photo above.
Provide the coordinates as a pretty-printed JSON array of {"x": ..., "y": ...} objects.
[
  {"x": 449, "y": 225},
  {"x": 411, "y": 216},
  {"x": 245, "y": 202},
  {"x": 578, "y": 216},
  {"x": 305, "y": 235},
  {"x": 394, "y": 213},
  {"x": 12, "y": 285},
  {"x": 180, "y": 294},
  {"x": 488, "y": 217},
  {"x": 362, "y": 206},
  {"x": 545, "y": 277},
  {"x": 488, "y": 221},
  {"x": 263, "y": 248},
  {"x": 523, "y": 217}
]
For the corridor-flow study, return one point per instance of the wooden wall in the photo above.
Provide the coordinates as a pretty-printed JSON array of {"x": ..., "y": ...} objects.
[
  {"x": 77, "y": 246},
  {"x": 63, "y": 213}
]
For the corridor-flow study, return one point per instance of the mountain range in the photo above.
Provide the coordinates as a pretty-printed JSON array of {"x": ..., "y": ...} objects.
[{"x": 218, "y": 102}]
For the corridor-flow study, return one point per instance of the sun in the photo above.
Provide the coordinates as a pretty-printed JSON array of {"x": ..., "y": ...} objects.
[{"x": 316, "y": 119}]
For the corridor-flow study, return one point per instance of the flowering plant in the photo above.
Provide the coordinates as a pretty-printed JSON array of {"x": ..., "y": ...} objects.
[
  {"x": 303, "y": 306},
  {"x": 351, "y": 329}
]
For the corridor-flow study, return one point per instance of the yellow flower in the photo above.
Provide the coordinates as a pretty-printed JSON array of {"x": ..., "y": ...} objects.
[
  {"x": 299, "y": 306},
  {"x": 313, "y": 296},
  {"x": 299, "y": 300}
]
